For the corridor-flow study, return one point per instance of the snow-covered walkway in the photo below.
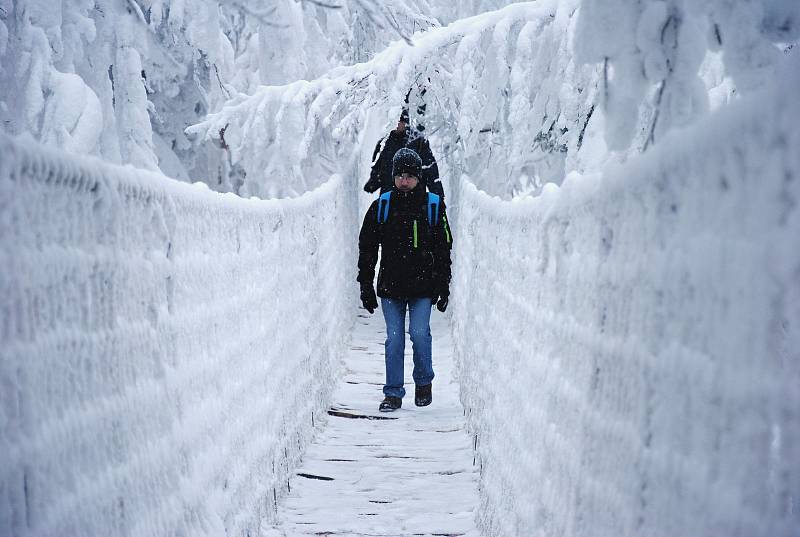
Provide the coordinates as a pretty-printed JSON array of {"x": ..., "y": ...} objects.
[{"x": 396, "y": 474}]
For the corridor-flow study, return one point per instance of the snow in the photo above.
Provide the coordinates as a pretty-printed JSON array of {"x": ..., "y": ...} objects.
[
  {"x": 131, "y": 108},
  {"x": 280, "y": 41},
  {"x": 515, "y": 98},
  {"x": 158, "y": 373},
  {"x": 622, "y": 179},
  {"x": 411, "y": 472},
  {"x": 74, "y": 119},
  {"x": 628, "y": 343},
  {"x": 642, "y": 80},
  {"x": 193, "y": 55},
  {"x": 3, "y": 39},
  {"x": 469, "y": 67}
]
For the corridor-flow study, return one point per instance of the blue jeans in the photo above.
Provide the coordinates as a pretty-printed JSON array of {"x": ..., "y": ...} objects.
[{"x": 394, "y": 312}]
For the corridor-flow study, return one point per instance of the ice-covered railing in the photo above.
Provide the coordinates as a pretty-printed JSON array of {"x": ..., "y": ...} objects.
[
  {"x": 164, "y": 350},
  {"x": 629, "y": 345}
]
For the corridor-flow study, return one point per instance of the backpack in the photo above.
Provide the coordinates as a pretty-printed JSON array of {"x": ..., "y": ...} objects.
[{"x": 433, "y": 208}]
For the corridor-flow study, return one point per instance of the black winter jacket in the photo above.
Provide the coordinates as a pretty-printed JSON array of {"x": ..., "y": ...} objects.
[
  {"x": 381, "y": 174},
  {"x": 413, "y": 265}
]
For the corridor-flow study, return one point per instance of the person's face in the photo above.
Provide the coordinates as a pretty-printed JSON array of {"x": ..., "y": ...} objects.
[
  {"x": 405, "y": 182},
  {"x": 401, "y": 126}
]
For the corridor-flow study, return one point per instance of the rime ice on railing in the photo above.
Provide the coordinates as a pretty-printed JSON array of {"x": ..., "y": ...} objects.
[
  {"x": 164, "y": 350},
  {"x": 629, "y": 345}
]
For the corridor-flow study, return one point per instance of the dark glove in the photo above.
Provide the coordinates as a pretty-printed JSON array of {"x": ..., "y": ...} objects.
[
  {"x": 441, "y": 304},
  {"x": 368, "y": 298},
  {"x": 371, "y": 186}
]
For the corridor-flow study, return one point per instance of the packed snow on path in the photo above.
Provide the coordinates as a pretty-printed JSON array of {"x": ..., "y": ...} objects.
[{"x": 409, "y": 472}]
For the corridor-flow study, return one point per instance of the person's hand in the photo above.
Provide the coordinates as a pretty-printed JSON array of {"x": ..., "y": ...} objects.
[
  {"x": 441, "y": 303},
  {"x": 368, "y": 298},
  {"x": 371, "y": 187}
]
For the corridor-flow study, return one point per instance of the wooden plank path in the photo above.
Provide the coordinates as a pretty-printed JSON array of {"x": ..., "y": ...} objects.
[{"x": 403, "y": 473}]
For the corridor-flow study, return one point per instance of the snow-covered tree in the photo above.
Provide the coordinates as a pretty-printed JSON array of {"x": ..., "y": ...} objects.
[
  {"x": 61, "y": 90},
  {"x": 503, "y": 99},
  {"x": 656, "y": 53},
  {"x": 122, "y": 79},
  {"x": 517, "y": 97}
]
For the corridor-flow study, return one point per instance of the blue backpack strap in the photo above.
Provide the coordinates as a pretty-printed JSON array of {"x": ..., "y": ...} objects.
[
  {"x": 383, "y": 207},
  {"x": 433, "y": 209}
]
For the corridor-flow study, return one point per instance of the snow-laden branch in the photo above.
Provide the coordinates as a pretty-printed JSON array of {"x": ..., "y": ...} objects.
[
  {"x": 516, "y": 97},
  {"x": 663, "y": 55},
  {"x": 370, "y": 9},
  {"x": 326, "y": 5},
  {"x": 265, "y": 17},
  {"x": 486, "y": 78}
]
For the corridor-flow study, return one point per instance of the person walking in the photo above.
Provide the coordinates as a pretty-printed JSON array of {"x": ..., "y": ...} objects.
[
  {"x": 410, "y": 227},
  {"x": 403, "y": 135}
]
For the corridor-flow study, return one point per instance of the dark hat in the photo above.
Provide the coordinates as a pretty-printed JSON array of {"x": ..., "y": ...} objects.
[
  {"x": 404, "y": 115},
  {"x": 406, "y": 161}
]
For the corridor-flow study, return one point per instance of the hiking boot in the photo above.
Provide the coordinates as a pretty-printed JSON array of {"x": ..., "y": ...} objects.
[
  {"x": 423, "y": 395},
  {"x": 390, "y": 404}
]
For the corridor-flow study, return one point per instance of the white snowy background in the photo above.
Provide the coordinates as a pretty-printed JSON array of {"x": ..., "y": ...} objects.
[{"x": 623, "y": 178}]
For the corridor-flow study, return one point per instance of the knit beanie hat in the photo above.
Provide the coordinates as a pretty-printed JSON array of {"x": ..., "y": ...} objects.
[{"x": 406, "y": 161}]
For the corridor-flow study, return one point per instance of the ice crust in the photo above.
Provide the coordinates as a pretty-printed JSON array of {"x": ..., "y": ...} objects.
[
  {"x": 628, "y": 343},
  {"x": 163, "y": 349}
]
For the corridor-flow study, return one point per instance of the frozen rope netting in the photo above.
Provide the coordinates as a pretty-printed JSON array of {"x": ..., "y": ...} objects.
[
  {"x": 159, "y": 369},
  {"x": 629, "y": 344}
]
